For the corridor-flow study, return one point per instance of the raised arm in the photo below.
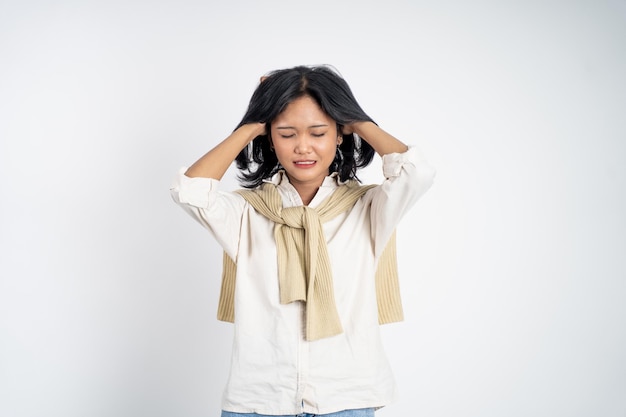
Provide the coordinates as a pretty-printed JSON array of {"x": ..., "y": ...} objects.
[
  {"x": 215, "y": 162},
  {"x": 382, "y": 142},
  {"x": 407, "y": 177}
]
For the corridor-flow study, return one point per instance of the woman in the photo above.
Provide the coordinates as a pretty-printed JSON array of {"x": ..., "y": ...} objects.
[{"x": 309, "y": 266}]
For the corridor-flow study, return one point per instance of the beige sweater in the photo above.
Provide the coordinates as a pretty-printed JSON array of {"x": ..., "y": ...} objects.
[{"x": 303, "y": 265}]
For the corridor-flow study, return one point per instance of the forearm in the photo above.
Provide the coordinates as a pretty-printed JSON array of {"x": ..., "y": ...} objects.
[
  {"x": 215, "y": 162},
  {"x": 382, "y": 142}
]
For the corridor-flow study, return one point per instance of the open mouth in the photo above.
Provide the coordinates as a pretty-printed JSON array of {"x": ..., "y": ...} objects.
[{"x": 304, "y": 164}]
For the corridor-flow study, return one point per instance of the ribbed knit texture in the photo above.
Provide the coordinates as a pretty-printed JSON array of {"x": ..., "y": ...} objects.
[
  {"x": 304, "y": 270},
  {"x": 387, "y": 285},
  {"x": 226, "y": 305}
]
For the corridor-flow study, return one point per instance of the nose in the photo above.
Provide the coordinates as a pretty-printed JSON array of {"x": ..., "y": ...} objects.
[{"x": 303, "y": 144}]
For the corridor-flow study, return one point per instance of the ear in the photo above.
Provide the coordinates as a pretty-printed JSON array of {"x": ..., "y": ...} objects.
[{"x": 339, "y": 139}]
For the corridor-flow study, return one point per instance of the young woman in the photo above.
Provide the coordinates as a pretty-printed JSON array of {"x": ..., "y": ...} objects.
[{"x": 309, "y": 265}]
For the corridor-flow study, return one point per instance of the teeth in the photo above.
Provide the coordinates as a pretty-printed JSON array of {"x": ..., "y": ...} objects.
[{"x": 305, "y": 163}]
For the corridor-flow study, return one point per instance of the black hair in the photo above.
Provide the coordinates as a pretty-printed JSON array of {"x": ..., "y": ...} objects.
[{"x": 331, "y": 92}]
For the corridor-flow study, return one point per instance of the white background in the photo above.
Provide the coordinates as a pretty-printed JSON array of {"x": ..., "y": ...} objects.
[{"x": 513, "y": 265}]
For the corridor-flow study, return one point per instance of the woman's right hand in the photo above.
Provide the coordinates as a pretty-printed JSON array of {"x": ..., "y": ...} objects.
[
  {"x": 215, "y": 162},
  {"x": 256, "y": 129}
]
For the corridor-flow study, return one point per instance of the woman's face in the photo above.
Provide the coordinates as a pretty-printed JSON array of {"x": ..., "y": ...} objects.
[{"x": 305, "y": 140}]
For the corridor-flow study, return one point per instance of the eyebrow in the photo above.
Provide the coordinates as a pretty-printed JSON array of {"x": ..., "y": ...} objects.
[{"x": 309, "y": 127}]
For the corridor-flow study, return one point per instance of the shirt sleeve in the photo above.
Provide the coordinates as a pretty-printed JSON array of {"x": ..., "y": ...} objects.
[
  {"x": 407, "y": 177},
  {"x": 218, "y": 211}
]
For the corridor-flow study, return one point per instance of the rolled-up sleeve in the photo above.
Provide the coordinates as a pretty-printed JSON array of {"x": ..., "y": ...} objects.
[
  {"x": 218, "y": 211},
  {"x": 407, "y": 177}
]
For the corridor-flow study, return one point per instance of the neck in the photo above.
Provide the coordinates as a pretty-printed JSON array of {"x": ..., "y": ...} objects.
[
  {"x": 306, "y": 189},
  {"x": 306, "y": 192}
]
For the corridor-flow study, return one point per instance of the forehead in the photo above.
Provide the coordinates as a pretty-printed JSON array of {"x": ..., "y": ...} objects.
[{"x": 303, "y": 110}]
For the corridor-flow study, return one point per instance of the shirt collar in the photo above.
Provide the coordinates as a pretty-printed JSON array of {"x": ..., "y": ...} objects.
[
  {"x": 281, "y": 179},
  {"x": 290, "y": 196}
]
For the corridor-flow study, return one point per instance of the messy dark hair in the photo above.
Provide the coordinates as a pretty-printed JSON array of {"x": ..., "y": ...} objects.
[{"x": 331, "y": 92}]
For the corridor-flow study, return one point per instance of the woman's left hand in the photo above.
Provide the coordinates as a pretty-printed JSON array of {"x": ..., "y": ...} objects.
[
  {"x": 349, "y": 128},
  {"x": 382, "y": 142}
]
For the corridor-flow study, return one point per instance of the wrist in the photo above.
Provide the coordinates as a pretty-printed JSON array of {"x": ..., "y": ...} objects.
[
  {"x": 252, "y": 130},
  {"x": 361, "y": 127}
]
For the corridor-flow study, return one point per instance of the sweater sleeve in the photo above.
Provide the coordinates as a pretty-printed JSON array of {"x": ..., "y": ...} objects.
[
  {"x": 407, "y": 177},
  {"x": 218, "y": 211}
]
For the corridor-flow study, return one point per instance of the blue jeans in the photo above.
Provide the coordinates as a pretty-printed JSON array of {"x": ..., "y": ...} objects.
[{"x": 361, "y": 412}]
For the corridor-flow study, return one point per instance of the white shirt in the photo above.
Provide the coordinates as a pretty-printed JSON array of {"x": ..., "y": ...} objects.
[{"x": 274, "y": 370}]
